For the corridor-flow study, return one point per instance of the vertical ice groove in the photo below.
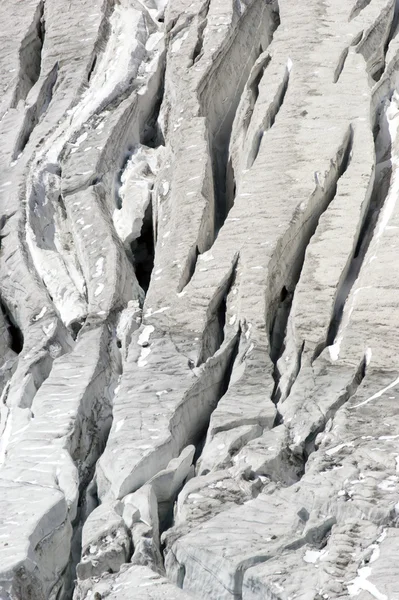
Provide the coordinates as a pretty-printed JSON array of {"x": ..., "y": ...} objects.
[
  {"x": 30, "y": 54},
  {"x": 382, "y": 205},
  {"x": 319, "y": 203}
]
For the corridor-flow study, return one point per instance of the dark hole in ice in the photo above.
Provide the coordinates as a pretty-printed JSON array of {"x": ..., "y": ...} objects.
[
  {"x": 76, "y": 326},
  {"x": 92, "y": 67},
  {"x": 143, "y": 251},
  {"x": 283, "y": 294},
  {"x": 16, "y": 336}
]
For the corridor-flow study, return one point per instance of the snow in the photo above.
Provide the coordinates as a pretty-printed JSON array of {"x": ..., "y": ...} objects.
[
  {"x": 377, "y": 394},
  {"x": 375, "y": 554},
  {"x": 41, "y": 314},
  {"x": 368, "y": 356},
  {"x": 161, "y": 310},
  {"x": 248, "y": 332},
  {"x": 119, "y": 425},
  {"x": 99, "y": 267},
  {"x": 361, "y": 583},
  {"x": 335, "y": 348},
  {"x": 165, "y": 188},
  {"x": 153, "y": 40},
  {"x": 99, "y": 289},
  {"x": 48, "y": 328},
  {"x": 312, "y": 556},
  {"x": 336, "y": 449},
  {"x": 81, "y": 138},
  {"x": 144, "y": 353},
  {"x": 145, "y": 334},
  {"x": 382, "y": 537},
  {"x": 206, "y": 256},
  {"x": 177, "y": 44},
  {"x": 389, "y": 484}
]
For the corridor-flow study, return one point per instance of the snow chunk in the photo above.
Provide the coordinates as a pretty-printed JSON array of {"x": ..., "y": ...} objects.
[
  {"x": 99, "y": 289},
  {"x": 145, "y": 335},
  {"x": 206, "y": 256},
  {"x": 99, "y": 267},
  {"x": 336, "y": 449},
  {"x": 41, "y": 314},
  {"x": 165, "y": 188},
  {"x": 334, "y": 349},
  {"x": 312, "y": 556},
  {"x": 119, "y": 425},
  {"x": 389, "y": 484},
  {"x": 161, "y": 310},
  {"x": 81, "y": 139}
]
